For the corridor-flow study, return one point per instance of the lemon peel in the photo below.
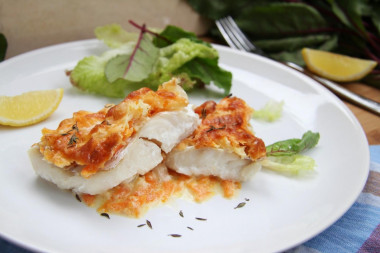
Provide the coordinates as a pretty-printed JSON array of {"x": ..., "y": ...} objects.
[
  {"x": 30, "y": 107},
  {"x": 336, "y": 67}
]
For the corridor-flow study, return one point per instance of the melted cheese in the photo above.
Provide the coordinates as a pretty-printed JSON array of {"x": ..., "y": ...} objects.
[
  {"x": 91, "y": 139},
  {"x": 226, "y": 126},
  {"x": 158, "y": 186}
]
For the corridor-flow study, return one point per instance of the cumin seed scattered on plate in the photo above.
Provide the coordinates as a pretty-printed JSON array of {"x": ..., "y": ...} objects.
[
  {"x": 174, "y": 235},
  {"x": 105, "y": 215}
]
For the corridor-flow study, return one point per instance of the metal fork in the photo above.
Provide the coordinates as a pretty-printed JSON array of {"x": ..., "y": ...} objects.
[{"x": 236, "y": 39}]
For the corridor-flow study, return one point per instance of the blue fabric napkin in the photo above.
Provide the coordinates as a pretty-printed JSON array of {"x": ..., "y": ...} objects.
[{"x": 358, "y": 230}]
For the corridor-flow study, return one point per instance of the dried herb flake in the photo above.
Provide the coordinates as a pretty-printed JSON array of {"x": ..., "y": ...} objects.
[
  {"x": 73, "y": 139},
  {"x": 212, "y": 128},
  {"x": 181, "y": 213},
  {"x": 149, "y": 224},
  {"x": 240, "y": 205},
  {"x": 105, "y": 215},
  {"x": 202, "y": 219},
  {"x": 75, "y": 127},
  {"x": 141, "y": 225},
  {"x": 174, "y": 235}
]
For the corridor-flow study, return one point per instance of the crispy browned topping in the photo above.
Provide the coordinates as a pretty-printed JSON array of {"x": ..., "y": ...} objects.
[
  {"x": 226, "y": 126},
  {"x": 91, "y": 139}
]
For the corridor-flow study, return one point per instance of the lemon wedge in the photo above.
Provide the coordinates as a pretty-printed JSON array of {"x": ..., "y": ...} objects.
[
  {"x": 336, "y": 67},
  {"x": 29, "y": 108}
]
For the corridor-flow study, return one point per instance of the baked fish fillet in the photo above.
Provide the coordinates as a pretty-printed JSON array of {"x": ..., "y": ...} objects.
[
  {"x": 93, "y": 152},
  {"x": 223, "y": 145}
]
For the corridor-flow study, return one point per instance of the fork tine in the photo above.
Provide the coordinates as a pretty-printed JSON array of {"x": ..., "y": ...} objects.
[
  {"x": 225, "y": 33},
  {"x": 240, "y": 36},
  {"x": 231, "y": 35},
  {"x": 234, "y": 37}
]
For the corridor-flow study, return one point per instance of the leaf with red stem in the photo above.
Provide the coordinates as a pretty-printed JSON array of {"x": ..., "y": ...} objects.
[
  {"x": 159, "y": 36},
  {"x": 138, "y": 65}
]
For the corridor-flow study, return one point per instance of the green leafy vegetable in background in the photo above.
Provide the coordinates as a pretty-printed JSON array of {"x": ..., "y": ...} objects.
[
  {"x": 147, "y": 60},
  {"x": 283, "y": 28},
  {"x": 3, "y": 46}
]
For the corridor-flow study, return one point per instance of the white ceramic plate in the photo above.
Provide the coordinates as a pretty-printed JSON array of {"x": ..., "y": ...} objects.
[{"x": 282, "y": 212}]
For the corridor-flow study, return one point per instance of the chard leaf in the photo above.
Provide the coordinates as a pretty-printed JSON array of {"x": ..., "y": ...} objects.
[
  {"x": 176, "y": 55},
  {"x": 289, "y": 56},
  {"x": 293, "y": 146},
  {"x": 278, "y": 20},
  {"x": 294, "y": 43},
  {"x": 275, "y": 26},
  {"x": 373, "y": 79},
  {"x": 376, "y": 20},
  {"x": 215, "y": 9},
  {"x": 375, "y": 16},
  {"x": 296, "y": 55},
  {"x": 136, "y": 66},
  {"x": 349, "y": 13}
]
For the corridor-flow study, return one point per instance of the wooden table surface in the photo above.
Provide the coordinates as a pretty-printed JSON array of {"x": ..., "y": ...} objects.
[{"x": 369, "y": 121}]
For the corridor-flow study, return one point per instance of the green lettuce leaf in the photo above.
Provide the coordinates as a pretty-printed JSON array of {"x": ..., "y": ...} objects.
[
  {"x": 292, "y": 165},
  {"x": 88, "y": 75},
  {"x": 293, "y": 146},
  {"x": 173, "y": 57},
  {"x": 284, "y": 156},
  {"x": 135, "y": 64},
  {"x": 114, "y": 35},
  {"x": 272, "y": 111},
  {"x": 208, "y": 71},
  {"x": 171, "y": 34}
]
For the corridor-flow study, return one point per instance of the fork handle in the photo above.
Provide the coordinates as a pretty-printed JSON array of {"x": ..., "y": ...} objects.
[{"x": 348, "y": 95}]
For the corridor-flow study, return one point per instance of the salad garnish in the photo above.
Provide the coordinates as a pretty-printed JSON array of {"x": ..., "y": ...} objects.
[
  {"x": 284, "y": 156},
  {"x": 148, "y": 59}
]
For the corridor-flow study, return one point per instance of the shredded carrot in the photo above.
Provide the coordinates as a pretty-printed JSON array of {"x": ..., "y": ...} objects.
[
  {"x": 229, "y": 188},
  {"x": 88, "y": 199},
  {"x": 135, "y": 198}
]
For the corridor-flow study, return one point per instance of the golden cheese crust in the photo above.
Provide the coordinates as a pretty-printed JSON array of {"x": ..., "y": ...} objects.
[
  {"x": 226, "y": 126},
  {"x": 92, "y": 139}
]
